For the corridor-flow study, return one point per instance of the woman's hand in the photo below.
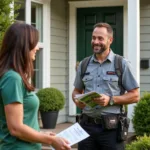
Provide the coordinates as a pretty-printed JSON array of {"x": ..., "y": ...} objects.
[{"x": 60, "y": 143}]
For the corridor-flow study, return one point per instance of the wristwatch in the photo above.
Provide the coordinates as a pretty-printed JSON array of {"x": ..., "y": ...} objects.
[{"x": 111, "y": 101}]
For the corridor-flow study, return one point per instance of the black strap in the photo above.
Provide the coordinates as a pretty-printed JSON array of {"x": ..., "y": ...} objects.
[
  {"x": 119, "y": 71},
  {"x": 84, "y": 65}
]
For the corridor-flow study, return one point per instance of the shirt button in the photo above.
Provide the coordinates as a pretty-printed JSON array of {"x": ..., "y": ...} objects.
[
  {"x": 98, "y": 75},
  {"x": 98, "y": 85}
]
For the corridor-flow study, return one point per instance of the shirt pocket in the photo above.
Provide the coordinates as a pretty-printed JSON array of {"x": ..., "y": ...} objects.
[
  {"x": 110, "y": 83},
  {"x": 88, "y": 82}
]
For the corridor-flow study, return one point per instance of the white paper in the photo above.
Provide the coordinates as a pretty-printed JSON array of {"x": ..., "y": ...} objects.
[{"x": 73, "y": 134}]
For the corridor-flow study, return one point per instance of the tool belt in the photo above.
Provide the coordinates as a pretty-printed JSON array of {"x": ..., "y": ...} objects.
[
  {"x": 89, "y": 120},
  {"x": 120, "y": 122},
  {"x": 107, "y": 121}
]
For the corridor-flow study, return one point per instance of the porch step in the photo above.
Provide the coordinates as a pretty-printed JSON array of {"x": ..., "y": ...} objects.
[{"x": 131, "y": 137}]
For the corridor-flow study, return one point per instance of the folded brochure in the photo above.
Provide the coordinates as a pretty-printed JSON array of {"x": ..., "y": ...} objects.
[
  {"x": 73, "y": 134},
  {"x": 87, "y": 98}
]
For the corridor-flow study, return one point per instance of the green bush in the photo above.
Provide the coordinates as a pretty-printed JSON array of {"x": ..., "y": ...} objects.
[
  {"x": 142, "y": 143},
  {"x": 51, "y": 99},
  {"x": 141, "y": 116},
  {"x": 6, "y": 16}
]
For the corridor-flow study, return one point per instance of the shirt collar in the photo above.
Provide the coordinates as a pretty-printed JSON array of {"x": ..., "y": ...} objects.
[{"x": 110, "y": 57}]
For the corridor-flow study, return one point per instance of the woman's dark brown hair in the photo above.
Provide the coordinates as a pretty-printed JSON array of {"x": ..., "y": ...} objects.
[{"x": 19, "y": 40}]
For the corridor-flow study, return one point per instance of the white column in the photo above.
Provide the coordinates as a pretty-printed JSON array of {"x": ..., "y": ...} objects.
[
  {"x": 133, "y": 51},
  {"x": 46, "y": 41},
  {"x": 28, "y": 11},
  {"x": 72, "y": 57}
]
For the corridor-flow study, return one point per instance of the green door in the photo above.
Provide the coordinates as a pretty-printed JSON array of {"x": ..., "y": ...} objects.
[{"x": 87, "y": 18}]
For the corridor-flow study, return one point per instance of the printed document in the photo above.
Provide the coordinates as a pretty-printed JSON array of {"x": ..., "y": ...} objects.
[{"x": 73, "y": 134}]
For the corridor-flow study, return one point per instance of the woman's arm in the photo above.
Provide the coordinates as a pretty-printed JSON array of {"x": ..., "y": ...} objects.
[{"x": 14, "y": 117}]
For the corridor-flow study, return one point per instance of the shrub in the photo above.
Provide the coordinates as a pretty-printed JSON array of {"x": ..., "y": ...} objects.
[
  {"x": 141, "y": 116},
  {"x": 142, "y": 143},
  {"x": 51, "y": 99},
  {"x": 6, "y": 16}
]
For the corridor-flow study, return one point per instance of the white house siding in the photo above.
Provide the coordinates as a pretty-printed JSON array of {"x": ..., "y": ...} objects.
[
  {"x": 59, "y": 52},
  {"x": 145, "y": 44}
]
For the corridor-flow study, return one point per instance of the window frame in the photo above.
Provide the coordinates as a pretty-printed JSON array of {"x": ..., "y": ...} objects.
[{"x": 45, "y": 44}]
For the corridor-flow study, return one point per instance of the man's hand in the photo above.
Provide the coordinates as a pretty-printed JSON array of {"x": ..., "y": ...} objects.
[
  {"x": 79, "y": 104},
  {"x": 103, "y": 100}
]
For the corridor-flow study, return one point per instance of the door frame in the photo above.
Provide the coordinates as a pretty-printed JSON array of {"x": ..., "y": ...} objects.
[{"x": 73, "y": 42}]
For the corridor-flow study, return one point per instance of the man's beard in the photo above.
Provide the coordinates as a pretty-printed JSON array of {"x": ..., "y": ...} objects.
[{"x": 103, "y": 47}]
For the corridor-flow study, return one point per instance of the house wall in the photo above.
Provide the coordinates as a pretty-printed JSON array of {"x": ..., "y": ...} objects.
[
  {"x": 59, "y": 52},
  {"x": 145, "y": 44}
]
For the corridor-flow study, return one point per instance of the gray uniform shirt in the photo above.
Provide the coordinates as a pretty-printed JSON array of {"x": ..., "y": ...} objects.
[{"x": 103, "y": 79}]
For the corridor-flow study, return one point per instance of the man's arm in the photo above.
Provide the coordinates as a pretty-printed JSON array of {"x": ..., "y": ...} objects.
[
  {"x": 130, "y": 84},
  {"x": 130, "y": 97},
  {"x": 78, "y": 103}
]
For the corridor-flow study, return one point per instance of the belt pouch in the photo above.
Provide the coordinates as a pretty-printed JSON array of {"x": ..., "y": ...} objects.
[
  {"x": 123, "y": 126},
  {"x": 110, "y": 121}
]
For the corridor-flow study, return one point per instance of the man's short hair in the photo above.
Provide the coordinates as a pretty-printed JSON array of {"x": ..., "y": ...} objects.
[{"x": 105, "y": 25}]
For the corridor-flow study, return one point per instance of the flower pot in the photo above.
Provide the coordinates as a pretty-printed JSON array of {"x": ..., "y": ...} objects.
[{"x": 49, "y": 119}]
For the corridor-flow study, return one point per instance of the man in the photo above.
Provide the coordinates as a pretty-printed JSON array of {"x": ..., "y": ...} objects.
[{"x": 100, "y": 76}]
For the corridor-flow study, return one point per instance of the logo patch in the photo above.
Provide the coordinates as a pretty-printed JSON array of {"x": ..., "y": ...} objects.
[{"x": 111, "y": 73}]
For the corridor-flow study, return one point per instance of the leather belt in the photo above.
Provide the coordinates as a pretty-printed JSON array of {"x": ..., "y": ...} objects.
[{"x": 91, "y": 120}]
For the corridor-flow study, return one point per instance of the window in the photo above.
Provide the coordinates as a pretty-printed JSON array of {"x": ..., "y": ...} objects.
[
  {"x": 37, "y": 22},
  {"x": 36, "y": 13},
  {"x": 21, "y": 11},
  {"x": 37, "y": 79},
  {"x": 36, "y": 18}
]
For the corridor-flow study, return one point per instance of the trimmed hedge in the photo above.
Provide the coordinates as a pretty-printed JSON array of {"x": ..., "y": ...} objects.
[
  {"x": 142, "y": 143},
  {"x": 141, "y": 116},
  {"x": 51, "y": 99}
]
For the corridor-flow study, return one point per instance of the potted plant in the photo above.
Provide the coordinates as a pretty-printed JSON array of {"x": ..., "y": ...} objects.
[{"x": 51, "y": 101}]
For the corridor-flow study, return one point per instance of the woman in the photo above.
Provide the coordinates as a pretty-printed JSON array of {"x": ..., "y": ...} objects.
[{"x": 19, "y": 128}]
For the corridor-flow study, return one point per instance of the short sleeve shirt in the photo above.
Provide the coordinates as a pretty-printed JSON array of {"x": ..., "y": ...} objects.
[
  {"x": 103, "y": 79},
  {"x": 12, "y": 89}
]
